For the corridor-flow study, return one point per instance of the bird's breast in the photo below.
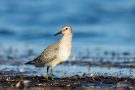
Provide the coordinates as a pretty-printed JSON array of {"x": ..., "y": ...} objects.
[
  {"x": 65, "y": 46},
  {"x": 64, "y": 53}
]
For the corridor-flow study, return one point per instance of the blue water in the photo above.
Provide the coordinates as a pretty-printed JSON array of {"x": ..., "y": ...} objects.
[{"x": 94, "y": 22}]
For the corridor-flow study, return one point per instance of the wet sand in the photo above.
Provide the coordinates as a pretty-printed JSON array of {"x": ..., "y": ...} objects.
[{"x": 74, "y": 82}]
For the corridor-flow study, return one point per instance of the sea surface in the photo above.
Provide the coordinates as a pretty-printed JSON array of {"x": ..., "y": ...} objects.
[{"x": 94, "y": 22}]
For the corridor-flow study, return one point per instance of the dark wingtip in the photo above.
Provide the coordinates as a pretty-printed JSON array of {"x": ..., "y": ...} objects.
[{"x": 29, "y": 62}]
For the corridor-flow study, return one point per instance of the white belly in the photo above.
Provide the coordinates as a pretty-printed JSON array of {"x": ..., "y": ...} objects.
[{"x": 61, "y": 57}]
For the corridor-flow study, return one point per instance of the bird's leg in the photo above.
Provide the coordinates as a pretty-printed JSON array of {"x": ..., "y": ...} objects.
[
  {"x": 47, "y": 69},
  {"x": 52, "y": 73}
]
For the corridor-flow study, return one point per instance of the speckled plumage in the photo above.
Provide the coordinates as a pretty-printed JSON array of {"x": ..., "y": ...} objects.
[{"x": 56, "y": 53}]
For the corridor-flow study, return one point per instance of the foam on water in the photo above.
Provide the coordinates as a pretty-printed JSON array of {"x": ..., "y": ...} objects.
[{"x": 67, "y": 71}]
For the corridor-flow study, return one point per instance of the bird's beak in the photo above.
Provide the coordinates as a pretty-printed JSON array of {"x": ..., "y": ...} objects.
[{"x": 58, "y": 33}]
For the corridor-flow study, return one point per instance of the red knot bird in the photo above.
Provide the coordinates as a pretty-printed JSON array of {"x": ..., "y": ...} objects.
[{"x": 56, "y": 53}]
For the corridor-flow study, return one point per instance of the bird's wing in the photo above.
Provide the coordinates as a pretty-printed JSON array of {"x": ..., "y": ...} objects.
[{"x": 48, "y": 55}]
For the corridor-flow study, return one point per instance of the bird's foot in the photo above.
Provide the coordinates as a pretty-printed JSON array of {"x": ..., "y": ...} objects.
[{"x": 47, "y": 77}]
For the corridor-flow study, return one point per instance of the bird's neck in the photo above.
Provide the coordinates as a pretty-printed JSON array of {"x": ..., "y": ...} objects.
[{"x": 66, "y": 38}]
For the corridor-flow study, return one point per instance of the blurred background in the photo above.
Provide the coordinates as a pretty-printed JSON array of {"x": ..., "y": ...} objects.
[
  {"x": 95, "y": 23},
  {"x": 27, "y": 27}
]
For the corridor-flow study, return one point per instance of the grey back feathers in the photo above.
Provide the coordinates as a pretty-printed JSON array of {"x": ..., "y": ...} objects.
[{"x": 46, "y": 56}]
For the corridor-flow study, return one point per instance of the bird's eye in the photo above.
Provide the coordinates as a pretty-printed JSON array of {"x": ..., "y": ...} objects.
[{"x": 66, "y": 28}]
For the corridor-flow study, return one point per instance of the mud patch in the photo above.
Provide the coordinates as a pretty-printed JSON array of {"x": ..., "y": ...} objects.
[{"x": 73, "y": 82}]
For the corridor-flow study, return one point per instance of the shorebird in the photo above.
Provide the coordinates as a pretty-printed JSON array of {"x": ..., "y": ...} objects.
[{"x": 56, "y": 53}]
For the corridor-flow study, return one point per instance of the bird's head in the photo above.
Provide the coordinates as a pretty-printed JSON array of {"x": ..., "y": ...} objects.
[{"x": 65, "y": 30}]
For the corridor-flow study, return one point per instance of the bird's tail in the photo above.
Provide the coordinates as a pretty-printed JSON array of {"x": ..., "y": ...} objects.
[
  {"x": 35, "y": 63},
  {"x": 30, "y": 62}
]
